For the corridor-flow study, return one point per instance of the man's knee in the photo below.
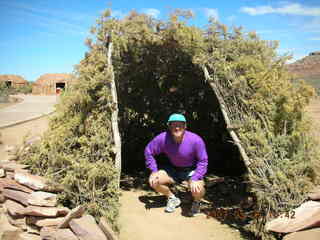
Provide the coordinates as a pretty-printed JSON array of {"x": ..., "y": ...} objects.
[
  {"x": 163, "y": 179},
  {"x": 201, "y": 191}
]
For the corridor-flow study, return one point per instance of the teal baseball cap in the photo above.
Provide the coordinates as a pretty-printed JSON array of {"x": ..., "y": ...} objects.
[{"x": 176, "y": 117}]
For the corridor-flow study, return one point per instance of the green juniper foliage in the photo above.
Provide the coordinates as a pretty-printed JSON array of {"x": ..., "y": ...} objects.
[
  {"x": 77, "y": 151},
  {"x": 158, "y": 67}
]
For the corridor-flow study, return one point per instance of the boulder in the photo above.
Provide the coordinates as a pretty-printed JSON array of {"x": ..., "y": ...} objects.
[
  {"x": 13, "y": 207},
  {"x": 305, "y": 216},
  {"x": 44, "y": 211},
  {"x": 74, "y": 213},
  {"x": 18, "y": 196},
  {"x": 44, "y": 199},
  {"x": 86, "y": 228}
]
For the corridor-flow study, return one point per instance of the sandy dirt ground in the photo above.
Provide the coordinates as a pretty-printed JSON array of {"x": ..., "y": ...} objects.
[
  {"x": 14, "y": 135},
  {"x": 314, "y": 111},
  {"x": 139, "y": 222}
]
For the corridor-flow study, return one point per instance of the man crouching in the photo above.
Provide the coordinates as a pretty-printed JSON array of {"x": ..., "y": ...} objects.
[{"x": 188, "y": 162}]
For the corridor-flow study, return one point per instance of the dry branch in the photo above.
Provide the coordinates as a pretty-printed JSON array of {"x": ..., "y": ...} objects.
[
  {"x": 223, "y": 108},
  {"x": 114, "y": 117}
]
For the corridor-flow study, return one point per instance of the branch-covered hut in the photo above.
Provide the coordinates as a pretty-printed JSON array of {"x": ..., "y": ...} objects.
[
  {"x": 52, "y": 83},
  {"x": 231, "y": 85}
]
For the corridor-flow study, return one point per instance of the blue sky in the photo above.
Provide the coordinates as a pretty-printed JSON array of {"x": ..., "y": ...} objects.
[{"x": 46, "y": 36}]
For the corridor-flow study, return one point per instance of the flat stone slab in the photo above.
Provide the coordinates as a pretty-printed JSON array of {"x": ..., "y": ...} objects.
[
  {"x": 18, "y": 221},
  {"x": 33, "y": 229},
  {"x": 64, "y": 234},
  {"x": 50, "y": 233},
  {"x": 12, "y": 184},
  {"x": 305, "y": 216},
  {"x": 44, "y": 199},
  {"x": 36, "y": 182},
  {"x": 44, "y": 211},
  {"x": 13, "y": 207},
  {"x": 18, "y": 196},
  {"x": 46, "y": 232},
  {"x": 44, "y": 222},
  {"x": 12, "y": 166},
  {"x": 86, "y": 228},
  {"x": 31, "y": 181},
  {"x": 29, "y": 236}
]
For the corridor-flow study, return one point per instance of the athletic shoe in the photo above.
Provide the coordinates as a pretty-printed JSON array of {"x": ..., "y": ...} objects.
[{"x": 172, "y": 204}]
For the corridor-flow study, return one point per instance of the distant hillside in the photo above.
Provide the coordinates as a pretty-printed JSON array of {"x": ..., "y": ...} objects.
[{"x": 308, "y": 68}]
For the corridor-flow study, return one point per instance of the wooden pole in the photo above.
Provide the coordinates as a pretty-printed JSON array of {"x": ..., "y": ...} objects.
[
  {"x": 114, "y": 117},
  {"x": 223, "y": 108}
]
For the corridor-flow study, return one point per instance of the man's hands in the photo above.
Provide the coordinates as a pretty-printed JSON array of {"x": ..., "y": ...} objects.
[
  {"x": 195, "y": 186},
  {"x": 154, "y": 179}
]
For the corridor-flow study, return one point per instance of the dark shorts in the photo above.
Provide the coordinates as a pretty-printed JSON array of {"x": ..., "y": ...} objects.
[{"x": 178, "y": 174}]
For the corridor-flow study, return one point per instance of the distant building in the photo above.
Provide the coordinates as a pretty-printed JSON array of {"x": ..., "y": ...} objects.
[
  {"x": 52, "y": 83},
  {"x": 314, "y": 53},
  {"x": 12, "y": 80}
]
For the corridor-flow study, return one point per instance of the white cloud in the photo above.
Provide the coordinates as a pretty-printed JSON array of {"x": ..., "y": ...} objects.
[
  {"x": 290, "y": 9},
  {"x": 152, "y": 12},
  {"x": 211, "y": 13},
  {"x": 53, "y": 20}
]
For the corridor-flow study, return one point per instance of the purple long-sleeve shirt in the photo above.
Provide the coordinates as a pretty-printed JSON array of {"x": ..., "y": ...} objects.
[{"x": 190, "y": 152}]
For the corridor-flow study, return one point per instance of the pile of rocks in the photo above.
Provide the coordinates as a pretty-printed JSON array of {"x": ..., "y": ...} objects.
[{"x": 28, "y": 210}]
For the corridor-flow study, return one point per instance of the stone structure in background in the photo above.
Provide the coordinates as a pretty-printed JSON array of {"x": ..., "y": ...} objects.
[
  {"x": 314, "y": 53},
  {"x": 12, "y": 80},
  {"x": 52, "y": 83}
]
